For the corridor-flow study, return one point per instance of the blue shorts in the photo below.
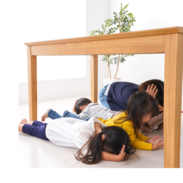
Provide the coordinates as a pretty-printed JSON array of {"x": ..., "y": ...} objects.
[{"x": 37, "y": 129}]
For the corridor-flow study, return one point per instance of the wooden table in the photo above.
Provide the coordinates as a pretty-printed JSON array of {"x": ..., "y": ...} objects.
[{"x": 165, "y": 40}]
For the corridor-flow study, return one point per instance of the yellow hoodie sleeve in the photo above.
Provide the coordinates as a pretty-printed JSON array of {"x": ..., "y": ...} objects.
[
  {"x": 136, "y": 142},
  {"x": 142, "y": 137}
]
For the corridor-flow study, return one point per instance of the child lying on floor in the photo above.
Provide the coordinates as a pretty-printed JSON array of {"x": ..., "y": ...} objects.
[
  {"x": 94, "y": 139},
  {"x": 85, "y": 109},
  {"x": 140, "y": 108}
]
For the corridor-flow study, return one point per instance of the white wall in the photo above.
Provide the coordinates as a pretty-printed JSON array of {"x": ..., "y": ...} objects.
[
  {"x": 149, "y": 15},
  {"x": 60, "y": 88},
  {"x": 96, "y": 12},
  {"x": 49, "y": 20}
]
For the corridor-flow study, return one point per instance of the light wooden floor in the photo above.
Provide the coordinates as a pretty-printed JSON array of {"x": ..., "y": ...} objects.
[{"x": 37, "y": 153}]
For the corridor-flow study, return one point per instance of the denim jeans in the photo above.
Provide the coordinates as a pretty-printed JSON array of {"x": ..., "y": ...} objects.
[
  {"x": 103, "y": 97},
  {"x": 54, "y": 115},
  {"x": 69, "y": 114}
]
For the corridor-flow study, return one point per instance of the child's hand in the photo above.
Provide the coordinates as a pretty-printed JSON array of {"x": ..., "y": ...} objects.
[
  {"x": 157, "y": 144},
  {"x": 151, "y": 90},
  {"x": 122, "y": 153},
  {"x": 114, "y": 157},
  {"x": 152, "y": 140},
  {"x": 160, "y": 108}
]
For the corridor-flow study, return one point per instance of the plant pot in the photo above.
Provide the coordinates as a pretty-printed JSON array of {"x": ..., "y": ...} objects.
[{"x": 107, "y": 81}]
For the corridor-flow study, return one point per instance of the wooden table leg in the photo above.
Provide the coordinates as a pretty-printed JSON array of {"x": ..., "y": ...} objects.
[
  {"x": 94, "y": 77},
  {"x": 32, "y": 84},
  {"x": 172, "y": 99}
]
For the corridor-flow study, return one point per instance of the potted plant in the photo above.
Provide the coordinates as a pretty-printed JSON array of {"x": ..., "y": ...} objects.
[{"x": 121, "y": 22}]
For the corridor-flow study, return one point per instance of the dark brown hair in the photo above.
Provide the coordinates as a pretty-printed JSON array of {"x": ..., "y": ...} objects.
[
  {"x": 139, "y": 105},
  {"x": 115, "y": 138},
  {"x": 160, "y": 87},
  {"x": 80, "y": 102}
]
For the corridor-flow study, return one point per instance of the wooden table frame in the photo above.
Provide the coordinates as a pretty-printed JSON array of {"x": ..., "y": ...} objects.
[{"x": 166, "y": 40}]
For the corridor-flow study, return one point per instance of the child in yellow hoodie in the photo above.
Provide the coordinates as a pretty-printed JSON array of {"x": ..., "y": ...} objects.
[{"x": 140, "y": 108}]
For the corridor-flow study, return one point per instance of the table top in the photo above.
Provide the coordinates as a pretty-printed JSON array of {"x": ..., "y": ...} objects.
[{"x": 142, "y": 33}]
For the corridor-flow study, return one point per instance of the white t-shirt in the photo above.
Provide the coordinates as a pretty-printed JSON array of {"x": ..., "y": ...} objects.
[{"x": 71, "y": 132}]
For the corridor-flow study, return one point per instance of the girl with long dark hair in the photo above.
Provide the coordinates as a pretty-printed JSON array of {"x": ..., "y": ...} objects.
[
  {"x": 140, "y": 108},
  {"x": 94, "y": 139},
  {"x": 115, "y": 97}
]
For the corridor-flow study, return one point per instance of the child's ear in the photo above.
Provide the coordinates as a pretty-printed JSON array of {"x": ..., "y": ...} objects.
[
  {"x": 82, "y": 107},
  {"x": 103, "y": 137}
]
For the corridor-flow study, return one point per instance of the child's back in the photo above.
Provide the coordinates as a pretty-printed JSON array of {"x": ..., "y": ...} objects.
[
  {"x": 96, "y": 110},
  {"x": 70, "y": 132}
]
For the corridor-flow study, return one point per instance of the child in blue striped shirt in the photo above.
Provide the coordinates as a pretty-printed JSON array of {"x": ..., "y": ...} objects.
[{"x": 84, "y": 109}]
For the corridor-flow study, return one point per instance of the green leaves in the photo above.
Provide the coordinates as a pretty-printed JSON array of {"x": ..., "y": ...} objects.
[
  {"x": 97, "y": 32},
  {"x": 122, "y": 58},
  {"x": 106, "y": 58},
  {"x": 130, "y": 15},
  {"x": 121, "y": 22},
  {"x": 112, "y": 30},
  {"x": 125, "y": 6},
  {"x": 108, "y": 22}
]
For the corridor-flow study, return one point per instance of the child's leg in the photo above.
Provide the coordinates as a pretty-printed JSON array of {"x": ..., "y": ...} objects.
[
  {"x": 51, "y": 114},
  {"x": 37, "y": 128},
  {"x": 22, "y": 122},
  {"x": 152, "y": 123},
  {"x": 103, "y": 97},
  {"x": 69, "y": 114}
]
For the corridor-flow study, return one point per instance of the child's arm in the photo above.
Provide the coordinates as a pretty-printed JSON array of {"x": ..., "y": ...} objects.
[
  {"x": 83, "y": 115},
  {"x": 142, "y": 137},
  {"x": 138, "y": 142},
  {"x": 156, "y": 143},
  {"x": 98, "y": 128},
  {"x": 114, "y": 157}
]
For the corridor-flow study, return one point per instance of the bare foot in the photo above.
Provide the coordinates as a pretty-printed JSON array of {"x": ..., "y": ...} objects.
[
  {"x": 23, "y": 121},
  {"x": 21, "y": 124},
  {"x": 45, "y": 115}
]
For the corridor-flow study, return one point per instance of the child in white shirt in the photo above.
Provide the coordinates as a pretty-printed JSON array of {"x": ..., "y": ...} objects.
[{"x": 95, "y": 140}]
